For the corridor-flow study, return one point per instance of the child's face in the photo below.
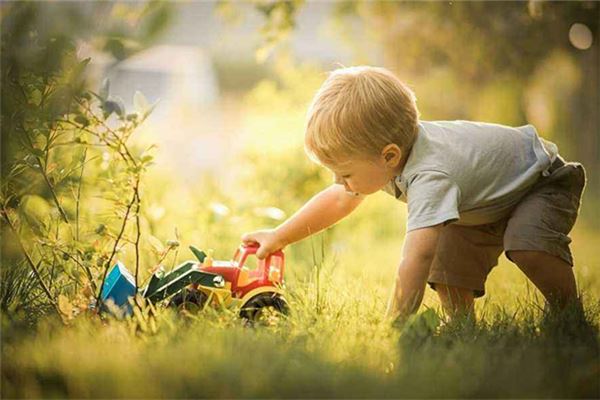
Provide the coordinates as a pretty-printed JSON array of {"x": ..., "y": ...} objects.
[{"x": 361, "y": 176}]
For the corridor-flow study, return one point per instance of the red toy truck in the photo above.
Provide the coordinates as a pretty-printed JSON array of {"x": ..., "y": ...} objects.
[{"x": 255, "y": 286}]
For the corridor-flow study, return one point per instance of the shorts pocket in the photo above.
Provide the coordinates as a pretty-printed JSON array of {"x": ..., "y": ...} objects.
[{"x": 559, "y": 211}]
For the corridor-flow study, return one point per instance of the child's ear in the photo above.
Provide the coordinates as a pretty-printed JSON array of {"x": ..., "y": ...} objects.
[{"x": 392, "y": 155}]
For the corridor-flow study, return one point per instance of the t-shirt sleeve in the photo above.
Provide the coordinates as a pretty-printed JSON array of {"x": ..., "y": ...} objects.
[{"x": 433, "y": 198}]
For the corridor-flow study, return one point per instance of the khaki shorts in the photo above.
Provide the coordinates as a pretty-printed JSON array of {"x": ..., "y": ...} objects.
[{"x": 540, "y": 221}]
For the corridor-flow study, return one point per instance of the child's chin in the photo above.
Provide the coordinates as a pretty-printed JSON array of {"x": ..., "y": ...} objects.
[{"x": 363, "y": 192}]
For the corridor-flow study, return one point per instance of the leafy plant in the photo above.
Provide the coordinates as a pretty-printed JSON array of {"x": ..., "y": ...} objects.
[{"x": 63, "y": 144}]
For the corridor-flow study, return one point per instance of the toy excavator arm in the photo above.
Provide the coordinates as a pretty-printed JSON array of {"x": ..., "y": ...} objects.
[{"x": 187, "y": 274}]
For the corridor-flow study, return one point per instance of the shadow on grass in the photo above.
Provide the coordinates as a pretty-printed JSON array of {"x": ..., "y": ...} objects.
[
  {"x": 512, "y": 355},
  {"x": 212, "y": 355}
]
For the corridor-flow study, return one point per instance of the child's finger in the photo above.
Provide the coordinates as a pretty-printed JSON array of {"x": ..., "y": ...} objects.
[{"x": 248, "y": 238}]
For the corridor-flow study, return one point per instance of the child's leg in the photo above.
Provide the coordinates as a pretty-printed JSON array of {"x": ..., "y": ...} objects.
[
  {"x": 550, "y": 274},
  {"x": 537, "y": 233},
  {"x": 457, "y": 302},
  {"x": 464, "y": 257}
]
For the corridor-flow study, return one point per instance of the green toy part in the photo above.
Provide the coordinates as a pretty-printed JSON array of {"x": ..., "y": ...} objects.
[
  {"x": 161, "y": 287},
  {"x": 200, "y": 255}
]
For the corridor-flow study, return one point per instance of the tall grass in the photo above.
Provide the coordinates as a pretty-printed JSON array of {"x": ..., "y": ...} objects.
[{"x": 335, "y": 343}]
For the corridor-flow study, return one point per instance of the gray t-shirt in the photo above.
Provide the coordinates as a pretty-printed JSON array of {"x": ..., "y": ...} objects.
[{"x": 470, "y": 173}]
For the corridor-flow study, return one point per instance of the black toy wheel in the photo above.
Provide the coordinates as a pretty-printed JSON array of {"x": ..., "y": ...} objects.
[
  {"x": 265, "y": 308},
  {"x": 192, "y": 300}
]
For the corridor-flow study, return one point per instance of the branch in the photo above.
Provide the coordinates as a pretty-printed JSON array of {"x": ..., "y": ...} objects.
[
  {"x": 114, "y": 250},
  {"x": 112, "y": 132},
  {"x": 87, "y": 270},
  {"x": 78, "y": 198},
  {"x": 63, "y": 214},
  {"x": 138, "y": 231}
]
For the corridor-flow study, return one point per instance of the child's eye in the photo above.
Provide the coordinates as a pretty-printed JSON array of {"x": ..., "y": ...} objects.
[{"x": 345, "y": 176}]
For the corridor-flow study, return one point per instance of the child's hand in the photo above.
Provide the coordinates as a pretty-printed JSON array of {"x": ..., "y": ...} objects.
[{"x": 267, "y": 239}]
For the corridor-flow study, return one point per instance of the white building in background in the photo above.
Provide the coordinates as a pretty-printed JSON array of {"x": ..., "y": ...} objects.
[
  {"x": 169, "y": 73},
  {"x": 182, "y": 81}
]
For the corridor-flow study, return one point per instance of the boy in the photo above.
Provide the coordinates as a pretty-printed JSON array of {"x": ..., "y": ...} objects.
[{"x": 473, "y": 190}]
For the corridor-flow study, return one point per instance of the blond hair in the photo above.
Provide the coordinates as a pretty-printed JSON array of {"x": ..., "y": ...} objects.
[{"x": 358, "y": 111}]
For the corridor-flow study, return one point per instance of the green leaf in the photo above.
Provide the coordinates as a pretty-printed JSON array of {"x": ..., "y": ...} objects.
[
  {"x": 83, "y": 63},
  {"x": 37, "y": 152},
  {"x": 82, "y": 120},
  {"x": 155, "y": 21},
  {"x": 421, "y": 326},
  {"x": 100, "y": 229},
  {"x": 140, "y": 103},
  {"x": 104, "y": 89},
  {"x": 172, "y": 243},
  {"x": 152, "y": 107},
  {"x": 35, "y": 210},
  {"x": 32, "y": 161},
  {"x": 76, "y": 74},
  {"x": 114, "y": 104},
  {"x": 120, "y": 110},
  {"x": 59, "y": 102},
  {"x": 116, "y": 47},
  {"x": 36, "y": 97}
]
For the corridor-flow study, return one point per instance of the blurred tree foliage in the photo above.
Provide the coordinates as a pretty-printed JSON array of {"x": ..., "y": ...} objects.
[
  {"x": 54, "y": 130},
  {"x": 279, "y": 21}
]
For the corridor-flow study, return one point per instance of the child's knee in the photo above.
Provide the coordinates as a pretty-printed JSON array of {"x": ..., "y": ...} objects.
[
  {"x": 532, "y": 260},
  {"x": 551, "y": 274},
  {"x": 525, "y": 257},
  {"x": 453, "y": 297}
]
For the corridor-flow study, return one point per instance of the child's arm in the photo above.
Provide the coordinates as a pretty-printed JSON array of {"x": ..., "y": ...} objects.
[
  {"x": 417, "y": 255},
  {"x": 323, "y": 210}
]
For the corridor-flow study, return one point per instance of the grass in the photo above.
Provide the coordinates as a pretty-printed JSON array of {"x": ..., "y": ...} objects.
[
  {"x": 335, "y": 343},
  {"x": 349, "y": 354},
  {"x": 336, "y": 346}
]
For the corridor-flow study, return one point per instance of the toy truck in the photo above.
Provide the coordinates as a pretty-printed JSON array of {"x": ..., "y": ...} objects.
[{"x": 254, "y": 287}]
